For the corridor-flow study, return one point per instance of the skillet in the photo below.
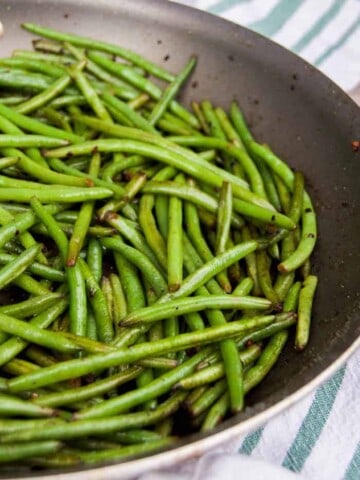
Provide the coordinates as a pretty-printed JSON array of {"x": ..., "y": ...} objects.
[{"x": 305, "y": 118}]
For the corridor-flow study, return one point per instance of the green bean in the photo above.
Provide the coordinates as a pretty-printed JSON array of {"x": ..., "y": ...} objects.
[
  {"x": 240, "y": 124},
  {"x": 210, "y": 269},
  {"x": 208, "y": 398},
  {"x": 216, "y": 413},
  {"x": 244, "y": 287},
  {"x": 94, "y": 258},
  {"x": 6, "y": 162},
  {"x": 13, "y": 425},
  {"x": 83, "y": 220},
  {"x": 270, "y": 186},
  {"x": 283, "y": 193},
  {"x": 31, "y": 333},
  {"x": 87, "y": 392},
  {"x": 170, "y": 92},
  {"x": 23, "y": 141},
  {"x": 14, "y": 269},
  {"x": 33, "y": 64},
  {"x": 13, "y": 452},
  {"x": 292, "y": 297},
  {"x": 45, "y": 96},
  {"x": 39, "y": 356},
  {"x": 30, "y": 285},
  {"x": 8, "y": 217},
  {"x": 55, "y": 194},
  {"x": 98, "y": 303},
  {"x": 101, "y": 46},
  {"x": 216, "y": 372},
  {"x": 228, "y": 129},
  {"x": 174, "y": 243},
  {"x": 263, "y": 270},
  {"x": 18, "y": 366},
  {"x": 182, "y": 306},
  {"x": 224, "y": 218},
  {"x": 151, "y": 232},
  {"x": 10, "y": 405},
  {"x": 23, "y": 81},
  {"x": 89, "y": 92},
  {"x": 124, "y": 452},
  {"x": 35, "y": 126},
  {"x": 306, "y": 298},
  {"x": 32, "y": 306}
]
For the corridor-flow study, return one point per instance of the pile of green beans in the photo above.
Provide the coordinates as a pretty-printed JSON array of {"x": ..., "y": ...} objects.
[{"x": 154, "y": 258}]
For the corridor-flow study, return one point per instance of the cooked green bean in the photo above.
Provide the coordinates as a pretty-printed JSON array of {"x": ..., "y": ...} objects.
[
  {"x": 14, "y": 269},
  {"x": 13, "y": 452},
  {"x": 170, "y": 92},
  {"x": 31, "y": 333},
  {"x": 21, "y": 141},
  {"x": 182, "y": 306},
  {"x": 224, "y": 218},
  {"x": 32, "y": 306},
  {"x": 67, "y": 397},
  {"x": 306, "y": 298},
  {"x": 44, "y": 97},
  {"x": 83, "y": 220}
]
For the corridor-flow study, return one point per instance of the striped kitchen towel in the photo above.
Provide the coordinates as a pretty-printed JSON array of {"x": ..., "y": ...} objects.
[{"x": 319, "y": 437}]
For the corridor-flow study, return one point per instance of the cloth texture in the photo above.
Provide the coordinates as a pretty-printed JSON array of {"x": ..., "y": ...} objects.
[{"x": 319, "y": 437}]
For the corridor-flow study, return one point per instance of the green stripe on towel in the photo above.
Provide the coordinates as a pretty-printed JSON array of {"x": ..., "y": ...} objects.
[
  {"x": 321, "y": 23},
  {"x": 250, "y": 442},
  {"x": 277, "y": 17},
  {"x": 313, "y": 423}
]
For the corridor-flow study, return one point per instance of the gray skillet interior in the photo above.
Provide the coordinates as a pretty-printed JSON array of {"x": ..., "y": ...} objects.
[{"x": 304, "y": 117}]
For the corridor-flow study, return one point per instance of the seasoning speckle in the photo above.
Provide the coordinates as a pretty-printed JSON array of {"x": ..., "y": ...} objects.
[{"x": 355, "y": 145}]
